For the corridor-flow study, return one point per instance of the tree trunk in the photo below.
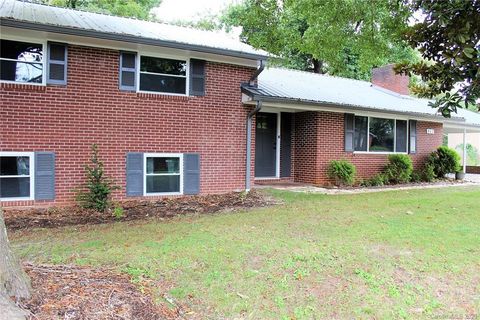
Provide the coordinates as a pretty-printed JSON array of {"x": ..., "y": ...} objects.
[
  {"x": 317, "y": 66},
  {"x": 14, "y": 282}
]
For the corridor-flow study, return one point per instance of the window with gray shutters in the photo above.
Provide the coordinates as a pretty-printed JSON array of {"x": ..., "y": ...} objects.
[{"x": 16, "y": 175}]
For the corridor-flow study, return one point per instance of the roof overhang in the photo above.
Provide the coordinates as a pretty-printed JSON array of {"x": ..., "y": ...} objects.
[
  {"x": 298, "y": 105},
  {"x": 5, "y": 22}
]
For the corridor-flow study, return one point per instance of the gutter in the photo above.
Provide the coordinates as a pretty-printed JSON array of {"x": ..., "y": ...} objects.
[
  {"x": 251, "y": 114},
  {"x": 4, "y": 22}
]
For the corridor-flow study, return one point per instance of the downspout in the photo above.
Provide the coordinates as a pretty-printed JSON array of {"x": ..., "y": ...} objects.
[
  {"x": 249, "y": 144},
  {"x": 250, "y": 116}
]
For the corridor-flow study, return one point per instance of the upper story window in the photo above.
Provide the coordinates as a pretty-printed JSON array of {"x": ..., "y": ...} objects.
[
  {"x": 380, "y": 135},
  {"x": 163, "y": 75},
  {"x": 21, "y": 61}
]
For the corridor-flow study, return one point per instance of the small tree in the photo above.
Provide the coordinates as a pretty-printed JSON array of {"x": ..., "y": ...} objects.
[{"x": 95, "y": 193}]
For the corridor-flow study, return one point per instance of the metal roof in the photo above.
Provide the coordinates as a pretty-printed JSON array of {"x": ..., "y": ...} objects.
[
  {"x": 299, "y": 87},
  {"x": 41, "y": 17}
]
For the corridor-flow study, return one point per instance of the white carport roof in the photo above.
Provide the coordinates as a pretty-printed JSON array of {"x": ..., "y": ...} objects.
[{"x": 304, "y": 88}]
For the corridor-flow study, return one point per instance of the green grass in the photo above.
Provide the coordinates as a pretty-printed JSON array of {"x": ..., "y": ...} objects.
[{"x": 389, "y": 255}]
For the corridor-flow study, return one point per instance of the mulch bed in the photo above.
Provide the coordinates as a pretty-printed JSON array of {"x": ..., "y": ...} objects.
[
  {"x": 25, "y": 218},
  {"x": 71, "y": 292}
]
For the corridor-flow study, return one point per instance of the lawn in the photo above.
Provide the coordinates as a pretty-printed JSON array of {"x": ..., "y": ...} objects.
[{"x": 389, "y": 255}]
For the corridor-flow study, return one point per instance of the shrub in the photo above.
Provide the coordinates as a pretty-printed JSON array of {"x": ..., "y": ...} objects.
[
  {"x": 342, "y": 171},
  {"x": 417, "y": 176},
  {"x": 399, "y": 169},
  {"x": 377, "y": 180},
  {"x": 95, "y": 193},
  {"x": 444, "y": 160},
  {"x": 428, "y": 173}
]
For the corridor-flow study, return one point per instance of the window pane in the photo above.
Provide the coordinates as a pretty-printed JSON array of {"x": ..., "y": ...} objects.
[
  {"x": 401, "y": 136},
  {"x": 163, "y": 165},
  {"x": 14, "y": 187},
  {"x": 156, "y": 83},
  {"x": 381, "y": 135},
  {"x": 57, "y": 71},
  {"x": 163, "y": 184},
  {"x": 160, "y": 65},
  {"x": 14, "y": 166},
  {"x": 57, "y": 52},
  {"x": 21, "y": 51},
  {"x": 128, "y": 78},
  {"x": 21, "y": 71},
  {"x": 361, "y": 130},
  {"x": 128, "y": 60}
]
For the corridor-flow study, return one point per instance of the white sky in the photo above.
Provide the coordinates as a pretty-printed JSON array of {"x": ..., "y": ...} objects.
[{"x": 189, "y": 10}]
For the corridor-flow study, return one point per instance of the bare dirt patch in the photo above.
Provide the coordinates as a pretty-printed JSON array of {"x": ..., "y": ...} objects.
[
  {"x": 70, "y": 292},
  {"x": 25, "y": 218}
]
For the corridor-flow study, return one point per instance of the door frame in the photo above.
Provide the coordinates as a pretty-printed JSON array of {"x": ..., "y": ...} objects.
[{"x": 277, "y": 146}]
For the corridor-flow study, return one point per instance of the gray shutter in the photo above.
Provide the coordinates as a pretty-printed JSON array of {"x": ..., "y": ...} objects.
[
  {"x": 44, "y": 176},
  {"x": 197, "y": 77},
  {"x": 134, "y": 174},
  {"x": 349, "y": 132},
  {"x": 191, "y": 173},
  {"x": 57, "y": 63},
  {"x": 128, "y": 71},
  {"x": 412, "y": 140}
]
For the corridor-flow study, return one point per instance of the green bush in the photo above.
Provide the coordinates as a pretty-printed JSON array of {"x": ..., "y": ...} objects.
[
  {"x": 399, "y": 168},
  {"x": 95, "y": 193},
  {"x": 342, "y": 171},
  {"x": 417, "y": 176},
  {"x": 428, "y": 173},
  {"x": 377, "y": 180},
  {"x": 444, "y": 160}
]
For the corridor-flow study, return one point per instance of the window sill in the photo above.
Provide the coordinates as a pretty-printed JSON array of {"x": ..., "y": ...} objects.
[
  {"x": 160, "y": 194},
  {"x": 16, "y": 199},
  {"x": 380, "y": 152},
  {"x": 12, "y": 85},
  {"x": 162, "y": 96}
]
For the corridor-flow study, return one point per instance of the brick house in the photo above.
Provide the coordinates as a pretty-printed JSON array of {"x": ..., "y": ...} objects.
[{"x": 177, "y": 111}]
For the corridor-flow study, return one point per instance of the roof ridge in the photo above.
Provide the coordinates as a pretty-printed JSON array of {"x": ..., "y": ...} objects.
[
  {"x": 321, "y": 74},
  {"x": 109, "y": 14}
]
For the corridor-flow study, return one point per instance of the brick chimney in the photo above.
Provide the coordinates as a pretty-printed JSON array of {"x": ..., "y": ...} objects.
[{"x": 385, "y": 77}]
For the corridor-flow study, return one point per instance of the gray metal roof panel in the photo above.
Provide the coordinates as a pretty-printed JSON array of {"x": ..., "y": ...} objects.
[
  {"x": 34, "y": 15},
  {"x": 292, "y": 86}
]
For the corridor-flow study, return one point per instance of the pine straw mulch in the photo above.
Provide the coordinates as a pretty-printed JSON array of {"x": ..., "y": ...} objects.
[
  {"x": 25, "y": 218},
  {"x": 71, "y": 292}
]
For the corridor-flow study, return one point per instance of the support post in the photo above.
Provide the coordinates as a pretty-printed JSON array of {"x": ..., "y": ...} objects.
[
  {"x": 248, "y": 170},
  {"x": 464, "y": 150}
]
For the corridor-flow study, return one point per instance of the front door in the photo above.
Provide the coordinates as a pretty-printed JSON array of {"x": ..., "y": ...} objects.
[{"x": 266, "y": 145}]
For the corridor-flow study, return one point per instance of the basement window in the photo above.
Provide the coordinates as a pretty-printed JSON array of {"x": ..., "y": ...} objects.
[
  {"x": 163, "y": 174},
  {"x": 21, "y": 62},
  {"x": 163, "y": 75},
  {"x": 16, "y": 176}
]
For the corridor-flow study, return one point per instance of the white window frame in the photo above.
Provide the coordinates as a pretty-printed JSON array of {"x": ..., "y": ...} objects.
[
  {"x": 152, "y": 55},
  {"x": 394, "y": 136},
  {"x": 162, "y": 155},
  {"x": 44, "y": 60},
  {"x": 31, "y": 175}
]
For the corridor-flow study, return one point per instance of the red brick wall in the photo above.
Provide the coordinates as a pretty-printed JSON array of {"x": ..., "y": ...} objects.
[
  {"x": 320, "y": 139},
  {"x": 91, "y": 109},
  {"x": 386, "y": 77}
]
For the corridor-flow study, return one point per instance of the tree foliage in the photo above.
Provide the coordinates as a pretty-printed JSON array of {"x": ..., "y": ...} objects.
[
  {"x": 448, "y": 38},
  {"x": 341, "y": 37},
  {"x": 95, "y": 193},
  {"x": 139, "y": 9}
]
